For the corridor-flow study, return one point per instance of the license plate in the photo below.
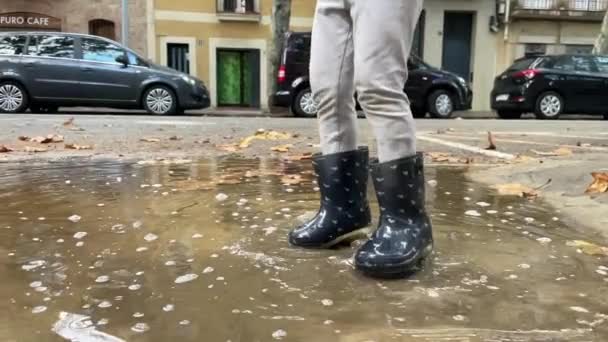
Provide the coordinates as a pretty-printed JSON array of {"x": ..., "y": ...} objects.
[{"x": 502, "y": 98}]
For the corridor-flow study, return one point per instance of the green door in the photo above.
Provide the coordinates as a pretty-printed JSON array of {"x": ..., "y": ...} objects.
[{"x": 238, "y": 78}]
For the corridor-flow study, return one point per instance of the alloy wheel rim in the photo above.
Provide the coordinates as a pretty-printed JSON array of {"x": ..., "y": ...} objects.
[
  {"x": 550, "y": 105},
  {"x": 11, "y": 97},
  {"x": 307, "y": 103},
  {"x": 443, "y": 104},
  {"x": 159, "y": 101}
]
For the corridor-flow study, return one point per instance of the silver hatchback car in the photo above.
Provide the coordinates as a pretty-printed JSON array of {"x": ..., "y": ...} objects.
[{"x": 45, "y": 70}]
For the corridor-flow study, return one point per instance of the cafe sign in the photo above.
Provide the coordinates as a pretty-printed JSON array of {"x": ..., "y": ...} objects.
[{"x": 26, "y": 20}]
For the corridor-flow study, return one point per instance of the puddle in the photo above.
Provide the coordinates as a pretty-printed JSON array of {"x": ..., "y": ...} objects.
[{"x": 109, "y": 251}]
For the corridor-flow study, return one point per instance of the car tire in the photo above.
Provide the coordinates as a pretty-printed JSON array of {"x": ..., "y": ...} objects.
[
  {"x": 509, "y": 114},
  {"x": 160, "y": 100},
  {"x": 419, "y": 113},
  {"x": 43, "y": 109},
  {"x": 13, "y": 97},
  {"x": 549, "y": 106},
  {"x": 441, "y": 104},
  {"x": 303, "y": 105}
]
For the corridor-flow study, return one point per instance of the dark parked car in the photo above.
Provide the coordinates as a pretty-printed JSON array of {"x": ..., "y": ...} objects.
[
  {"x": 45, "y": 70},
  {"x": 430, "y": 90},
  {"x": 550, "y": 86}
]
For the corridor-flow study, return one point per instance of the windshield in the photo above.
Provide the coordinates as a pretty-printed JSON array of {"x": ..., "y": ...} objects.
[{"x": 521, "y": 64}]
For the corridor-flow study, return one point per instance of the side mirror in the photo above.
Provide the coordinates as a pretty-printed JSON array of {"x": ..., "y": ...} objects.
[{"x": 122, "y": 59}]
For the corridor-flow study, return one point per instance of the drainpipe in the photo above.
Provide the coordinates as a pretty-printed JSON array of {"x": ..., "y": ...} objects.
[
  {"x": 507, "y": 20},
  {"x": 125, "y": 23}
]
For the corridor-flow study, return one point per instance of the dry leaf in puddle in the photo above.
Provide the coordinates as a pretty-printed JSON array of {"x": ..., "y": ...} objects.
[
  {"x": 282, "y": 148},
  {"x": 291, "y": 179},
  {"x": 78, "y": 147},
  {"x": 599, "y": 184},
  {"x": 491, "y": 142},
  {"x": 560, "y": 152},
  {"x": 516, "y": 189},
  {"x": 150, "y": 140},
  {"x": 5, "y": 149},
  {"x": 304, "y": 156},
  {"x": 34, "y": 149},
  {"x": 589, "y": 248},
  {"x": 264, "y": 135}
]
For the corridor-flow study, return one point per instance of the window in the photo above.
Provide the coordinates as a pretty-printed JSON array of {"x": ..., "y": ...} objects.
[
  {"x": 588, "y": 5},
  {"x": 538, "y": 4},
  {"x": 51, "y": 46},
  {"x": 569, "y": 63},
  {"x": 103, "y": 28},
  {"x": 535, "y": 50},
  {"x": 136, "y": 60},
  {"x": 98, "y": 50},
  {"x": 602, "y": 64},
  {"x": 238, "y": 6},
  {"x": 12, "y": 45},
  {"x": 579, "y": 49}
]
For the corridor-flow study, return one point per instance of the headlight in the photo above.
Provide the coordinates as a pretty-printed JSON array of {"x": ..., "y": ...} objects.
[
  {"x": 463, "y": 81},
  {"x": 189, "y": 80}
]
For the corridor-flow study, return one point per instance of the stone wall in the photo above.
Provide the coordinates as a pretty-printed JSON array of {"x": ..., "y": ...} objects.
[{"x": 76, "y": 14}]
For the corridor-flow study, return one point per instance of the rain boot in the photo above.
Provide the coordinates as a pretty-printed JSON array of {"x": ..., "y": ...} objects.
[
  {"x": 344, "y": 214},
  {"x": 404, "y": 237}
]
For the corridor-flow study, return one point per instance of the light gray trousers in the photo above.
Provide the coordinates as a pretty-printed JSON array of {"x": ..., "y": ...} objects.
[{"x": 363, "y": 46}]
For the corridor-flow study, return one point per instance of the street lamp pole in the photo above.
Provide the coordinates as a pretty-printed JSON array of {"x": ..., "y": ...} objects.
[{"x": 125, "y": 23}]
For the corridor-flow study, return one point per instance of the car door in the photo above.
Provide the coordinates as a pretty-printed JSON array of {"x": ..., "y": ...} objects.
[
  {"x": 103, "y": 79},
  {"x": 417, "y": 83},
  {"x": 578, "y": 81},
  {"x": 50, "y": 67},
  {"x": 601, "y": 63}
]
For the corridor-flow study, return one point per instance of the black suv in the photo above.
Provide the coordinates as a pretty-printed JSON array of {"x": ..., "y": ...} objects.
[
  {"x": 430, "y": 90},
  {"x": 45, "y": 70},
  {"x": 550, "y": 86}
]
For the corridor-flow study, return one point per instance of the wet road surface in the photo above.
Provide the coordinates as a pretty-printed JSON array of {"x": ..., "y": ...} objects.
[{"x": 108, "y": 251}]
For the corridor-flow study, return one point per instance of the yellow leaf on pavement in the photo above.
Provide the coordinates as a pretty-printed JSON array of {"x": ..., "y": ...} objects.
[
  {"x": 78, "y": 147},
  {"x": 282, "y": 148},
  {"x": 588, "y": 247},
  {"x": 34, "y": 149},
  {"x": 150, "y": 140},
  {"x": 599, "y": 184},
  {"x": 516, "y": 189},
  {"x": 264, "y": 135}
]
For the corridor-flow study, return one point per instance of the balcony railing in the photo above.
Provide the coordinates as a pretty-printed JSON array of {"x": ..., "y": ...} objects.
[
  {"x": 238, "y": 10},
  {"x": 586, "y": 10}
]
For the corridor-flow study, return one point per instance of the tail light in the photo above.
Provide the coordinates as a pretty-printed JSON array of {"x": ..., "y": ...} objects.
[
  {"x": 526, "y": 74},
  {"x": 282, "y": 74}
]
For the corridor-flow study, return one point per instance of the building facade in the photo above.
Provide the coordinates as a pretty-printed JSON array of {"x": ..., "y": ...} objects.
[{"x": 98, "y": 17}]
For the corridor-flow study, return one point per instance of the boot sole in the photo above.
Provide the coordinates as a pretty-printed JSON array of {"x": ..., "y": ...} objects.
[{"x": 397, "y": 271}]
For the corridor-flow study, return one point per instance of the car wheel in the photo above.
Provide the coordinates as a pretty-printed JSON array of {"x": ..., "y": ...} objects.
[
  {"x": 304, "y": 104},
  {"x": 509, "y": 114},
  {"x": 549, "y": 106},
  {"x": 13, "y": 98},
  {"x": 419, "y": 113},
  {"x": 160, "y": 100},
  {"x": 441, "y": 104},
  {"x": 43, "y": 109}
]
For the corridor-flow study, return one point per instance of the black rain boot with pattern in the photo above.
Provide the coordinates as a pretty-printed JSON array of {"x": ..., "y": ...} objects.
[
  {"x": 344, "y": 214},
  {"x": 404, "y": 237}
]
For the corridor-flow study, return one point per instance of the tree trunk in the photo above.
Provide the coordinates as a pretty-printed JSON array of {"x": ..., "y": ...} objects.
[
  {"x": 281, "y": 14},
  {"x": 601, "y": 44}
]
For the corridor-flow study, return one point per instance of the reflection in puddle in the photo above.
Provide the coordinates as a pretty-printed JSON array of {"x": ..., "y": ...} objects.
[{"x": 199, "y": 252}]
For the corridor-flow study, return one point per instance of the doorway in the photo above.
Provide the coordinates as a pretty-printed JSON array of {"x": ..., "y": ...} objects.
[
  {"x": 457, "y": 38},
  {"x": 238, "y": 77},
  {"x": 178, "y": 57}
]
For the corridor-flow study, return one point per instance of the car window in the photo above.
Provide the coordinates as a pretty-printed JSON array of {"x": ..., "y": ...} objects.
[
  {"x": 299, "y": 42},
  {"x": 51, "y": 46},
  {"x": 98, "y": 50},
  {"x": 569, "y": 63},
  {"x": 521, "y": 64},
  {"x": 602, "y": 64},
  {"x": 12, "y": 45},
  {"x": 135, "y": 60}
]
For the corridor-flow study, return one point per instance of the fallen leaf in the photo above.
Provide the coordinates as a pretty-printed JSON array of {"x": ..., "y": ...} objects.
[
  {"x": 599, "y": 184},
  {"x": 150, "y": 140},
  {"x": 251, "y": 174},
  {"x": 24, "y": 138},
  {"x": 78, "y": 147},
  {"x": 41, "y": 140},
  {"x": 34, "y": 149},
  {"x": 4, "y": 149},
  {"x": 516, "y": 189},
  {"x": 228, "y": 147},
  {"x": 264, "y": 135},
  {"x": 304, "y": 156},
  {"x": 560, "y": 152},
  {"x": 206, "y": 141},
  {"x": 175, "y": 138},
  {"x": 589, "y": 248},
  {"x": 69, "y": 122},
  {"x": 282, "y": 148},
  {"x": 492, "y": 143},
  {"x": 291, "y": 179}
]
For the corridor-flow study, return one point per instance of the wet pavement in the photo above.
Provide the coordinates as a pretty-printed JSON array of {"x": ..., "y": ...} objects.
[{"x": 197, "y": 251}]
